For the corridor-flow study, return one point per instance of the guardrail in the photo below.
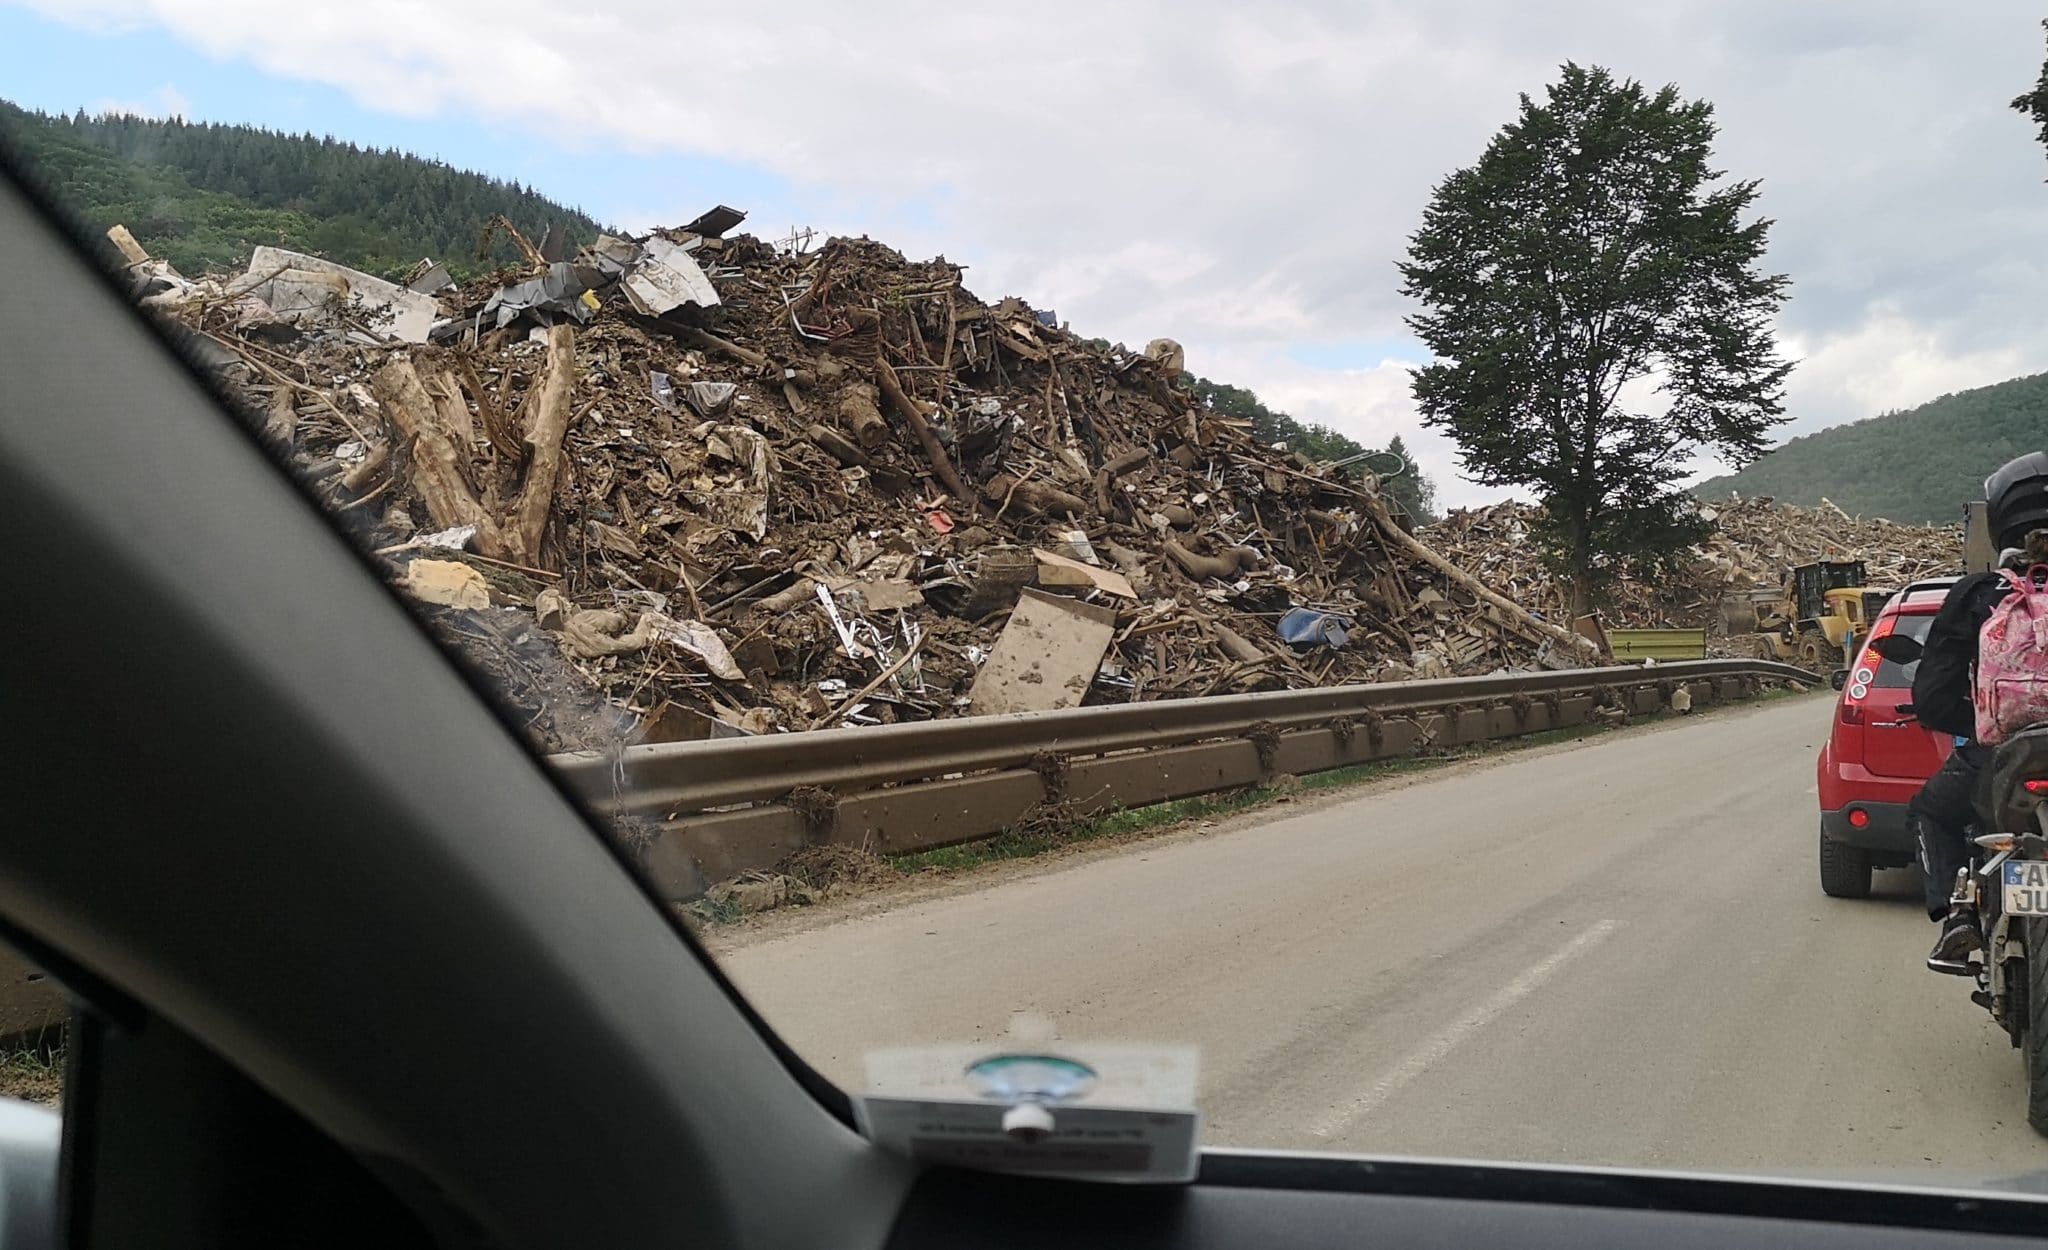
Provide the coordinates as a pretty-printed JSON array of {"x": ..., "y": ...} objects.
[
  {"x": 732, "y": 805},
  {"x": 725, "y": 807}
]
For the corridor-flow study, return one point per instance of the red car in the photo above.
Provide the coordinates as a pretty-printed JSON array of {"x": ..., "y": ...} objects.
[{"x": 1877, "y": 756}]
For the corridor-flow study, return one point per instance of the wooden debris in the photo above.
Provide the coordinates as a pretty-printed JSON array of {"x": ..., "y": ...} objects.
[
  {"x": 896, "y": 476},
  {"x": 1754, "y": 545}
]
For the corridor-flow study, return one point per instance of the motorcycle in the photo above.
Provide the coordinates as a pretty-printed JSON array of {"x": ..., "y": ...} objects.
[{"x": 2005, "y": 884}]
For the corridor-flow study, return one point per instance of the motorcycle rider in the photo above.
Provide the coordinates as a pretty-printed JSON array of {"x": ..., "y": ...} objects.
[{"x": 2017, "y": 510}]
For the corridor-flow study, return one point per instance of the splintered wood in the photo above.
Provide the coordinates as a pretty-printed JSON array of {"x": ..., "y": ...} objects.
[
  {"x": 852, "y": 493},
  {"x": 1754, "y": 546}
]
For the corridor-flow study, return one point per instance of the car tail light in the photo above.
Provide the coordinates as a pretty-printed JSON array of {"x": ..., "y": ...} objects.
[
  {"x": 1857, "y": 688},
  {"x": 1858, "y": 818}
]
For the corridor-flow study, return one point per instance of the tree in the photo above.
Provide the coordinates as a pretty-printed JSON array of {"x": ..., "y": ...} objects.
[
  {"x": 1588, "y": 249},
  {"x": 1409, "y": 485},
  {"x": 201, "y": 194},
  {"x": 2035, "y": 103},
  {"x": 1405, "y": 482}
]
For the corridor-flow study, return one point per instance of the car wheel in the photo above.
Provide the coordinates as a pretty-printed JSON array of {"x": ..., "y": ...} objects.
[{"x": 1844, "y": 869}]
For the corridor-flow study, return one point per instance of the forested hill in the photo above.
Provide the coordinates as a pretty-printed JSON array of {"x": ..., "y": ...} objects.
[
  {"x": 203, "y": 195},
  {"x": 1914, "y": 466}
]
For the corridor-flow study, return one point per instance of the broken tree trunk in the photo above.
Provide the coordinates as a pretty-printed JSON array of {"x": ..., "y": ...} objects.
[
  {"x": 1114, "y": 468},
  {"x": 836, "y": 443},
  {"x": 913, "y": 416},
  {"x": 1237, "y": 646},
  {"x": 496, "y": 428},
  {"x": 863, "y": 337},
  {"x": 454, "y": 409},
  {"x": 858, "y": 408},
  {"x": 1036, "y": 496},
  {"x": 804, "y": 590},
  {"x": 438, "y": 464},
  {"x": 281, "y": 422},
  {"x": 546, "y": 417},
  {"x": 130, "y": 250},
  {"x": 1573, "y": 643},
  {"x": 1221, "y": 567},
  {"x": 711, "y": 342},
  {"x": 1133, "y": 566},
  {"x": 365, "y": 471}
]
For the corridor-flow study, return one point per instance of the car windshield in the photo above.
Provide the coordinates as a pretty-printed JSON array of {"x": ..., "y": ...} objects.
[{"x": 1288, "y": 539}]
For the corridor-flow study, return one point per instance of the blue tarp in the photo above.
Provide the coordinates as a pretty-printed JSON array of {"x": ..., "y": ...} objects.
[{"x": 1304, "y": 627}]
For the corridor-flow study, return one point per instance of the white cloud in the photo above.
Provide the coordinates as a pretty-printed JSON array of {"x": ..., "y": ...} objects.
[
  {"x": 165, "y": 101},
  {"x": 1241, "y": 180},
  {"x": 1889, "y": 361}
]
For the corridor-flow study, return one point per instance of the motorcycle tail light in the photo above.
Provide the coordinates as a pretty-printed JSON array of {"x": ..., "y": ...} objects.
[
  {"x": 2038, "y": 786},
  {"x": 1996, "y": 841}
]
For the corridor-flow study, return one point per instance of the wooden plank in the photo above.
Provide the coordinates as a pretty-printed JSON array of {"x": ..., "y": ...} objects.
[
  {"x": 1058, "y": 570},
  {"x": 131, "y": 251},
  {"x": 1046, "y": 658}
]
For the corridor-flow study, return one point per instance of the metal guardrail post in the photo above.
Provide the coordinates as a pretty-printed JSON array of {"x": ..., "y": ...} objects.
[{"x": 899, "y": 788}]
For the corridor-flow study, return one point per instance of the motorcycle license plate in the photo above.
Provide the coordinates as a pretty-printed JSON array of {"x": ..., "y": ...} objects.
[{"x": 2026, "y": 887}]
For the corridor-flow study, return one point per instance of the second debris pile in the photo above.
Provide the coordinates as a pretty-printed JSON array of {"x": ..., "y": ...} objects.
[{"x": 1754, "y": 546}]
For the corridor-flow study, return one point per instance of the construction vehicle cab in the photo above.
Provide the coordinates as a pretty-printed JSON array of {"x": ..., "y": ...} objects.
[{"x": 1823, "y": 612}]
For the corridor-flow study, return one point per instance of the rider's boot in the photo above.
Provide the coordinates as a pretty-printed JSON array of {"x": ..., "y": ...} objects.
[{"x": 1959, "y": 939}]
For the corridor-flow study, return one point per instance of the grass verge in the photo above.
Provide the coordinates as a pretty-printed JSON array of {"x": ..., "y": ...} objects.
[
  {"x": 1041, "y": 837},
  {"x": 34, "y": 1073},
  {"x": 1124, "y": 822},
  {"x": 1049, "y": 832}
]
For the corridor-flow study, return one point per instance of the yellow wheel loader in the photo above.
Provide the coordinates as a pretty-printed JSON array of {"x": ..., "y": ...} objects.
[{"x": 1821, "y": 616}]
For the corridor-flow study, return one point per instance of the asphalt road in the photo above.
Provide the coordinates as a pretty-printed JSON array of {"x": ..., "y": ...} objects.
[{"x": 1614, "y": 951}]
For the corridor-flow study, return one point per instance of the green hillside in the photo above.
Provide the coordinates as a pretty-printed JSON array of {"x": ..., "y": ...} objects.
[
  {"x": 1413, "y": 488},
  {"x": 203, "y": 195},
  {"x": 1913, "y": 466}
]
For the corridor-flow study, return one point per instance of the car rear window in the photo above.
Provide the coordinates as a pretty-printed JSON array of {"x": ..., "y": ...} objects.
[{"x": 1892, "y": 675}]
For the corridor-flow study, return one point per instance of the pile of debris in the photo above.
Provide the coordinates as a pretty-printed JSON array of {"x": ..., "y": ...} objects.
[
  {"x": 1755, "y": 545},
  {"x": 748, "y": 487},
  {"x": 1759, "y": 541}
]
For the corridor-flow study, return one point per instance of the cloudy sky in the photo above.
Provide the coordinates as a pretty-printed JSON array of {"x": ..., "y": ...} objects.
[{"x": 1240, "y": 178}]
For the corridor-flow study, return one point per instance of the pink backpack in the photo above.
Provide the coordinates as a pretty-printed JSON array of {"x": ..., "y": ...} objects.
[{"x": 2012, "y": 659}]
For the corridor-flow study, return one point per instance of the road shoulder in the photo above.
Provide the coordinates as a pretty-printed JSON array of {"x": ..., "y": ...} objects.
[{"x": 878, "y": 899}]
